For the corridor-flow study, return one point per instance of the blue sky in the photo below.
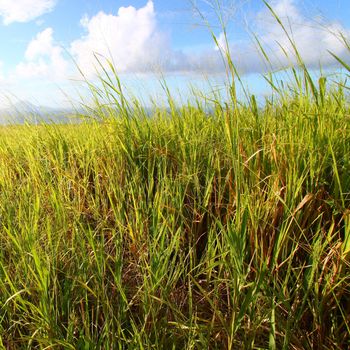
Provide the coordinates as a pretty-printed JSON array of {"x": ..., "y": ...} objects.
[{"x": 40, "y": 39}]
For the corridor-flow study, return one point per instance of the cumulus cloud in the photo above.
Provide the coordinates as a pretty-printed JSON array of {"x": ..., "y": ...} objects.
[
  {"x": 132, "y": 39},
  {"x": 43, "y": 58},
  {"x": 312, "y": 38},
  {"x": 134, "y": 42},
  {"x": 24, "y": 10}
]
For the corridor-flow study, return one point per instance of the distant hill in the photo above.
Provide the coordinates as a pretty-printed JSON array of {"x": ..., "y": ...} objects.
[{"x": 25, "y": 112}]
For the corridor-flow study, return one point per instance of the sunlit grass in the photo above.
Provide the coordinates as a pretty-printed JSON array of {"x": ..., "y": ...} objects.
[{"x": 180, "y": 230}]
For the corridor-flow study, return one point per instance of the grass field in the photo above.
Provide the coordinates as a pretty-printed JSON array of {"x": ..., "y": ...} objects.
[{"x": 183, "y": 230}]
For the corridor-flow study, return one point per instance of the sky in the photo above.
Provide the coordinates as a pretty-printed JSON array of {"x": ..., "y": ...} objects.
[{"x": 42, "y": 42}]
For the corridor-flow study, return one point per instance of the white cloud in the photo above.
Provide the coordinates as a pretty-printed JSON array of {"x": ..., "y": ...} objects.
[
  {"x": 133, "y": 40},
  {"x": 135, "y": 43},
  {"x": 130, "y": 38},
  {"x": 313, "y": 39},
  {"x": 43, "y": 58},
  {"x": 221, "y": 43},
  {"x": 24, "y": 10}
]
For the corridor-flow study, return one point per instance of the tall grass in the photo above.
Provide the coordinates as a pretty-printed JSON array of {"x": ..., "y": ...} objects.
[{"x": 183, "y": 230}]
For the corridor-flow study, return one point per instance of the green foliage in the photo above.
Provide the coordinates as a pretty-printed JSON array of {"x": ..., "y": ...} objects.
[{"x": 180, "y": 230}]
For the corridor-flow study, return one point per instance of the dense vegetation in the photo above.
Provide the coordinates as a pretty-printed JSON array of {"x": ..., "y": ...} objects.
[
  {"x": 196, "y": 228},
  {"x": 184, "y": 230}
]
